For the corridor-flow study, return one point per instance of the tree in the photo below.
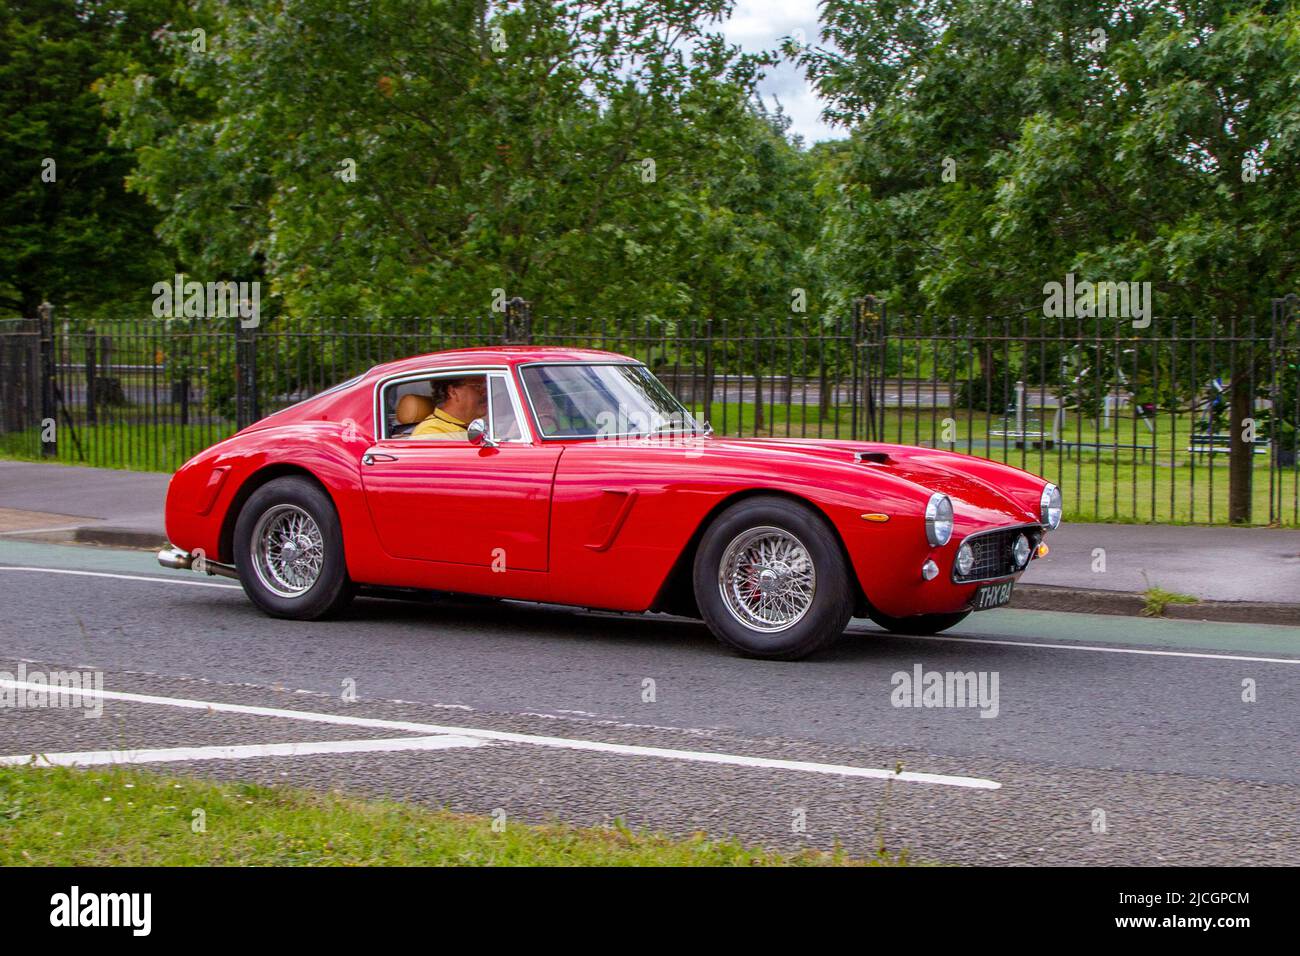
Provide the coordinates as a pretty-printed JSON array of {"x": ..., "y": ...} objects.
[
  {"x": 1120, "y": 141},
  {"x": 70, "y": 232},
  {"x": 414, "y": 156}
]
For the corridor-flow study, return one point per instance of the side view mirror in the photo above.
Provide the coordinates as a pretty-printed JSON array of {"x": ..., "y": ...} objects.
[{"x": 477, "y": 432}]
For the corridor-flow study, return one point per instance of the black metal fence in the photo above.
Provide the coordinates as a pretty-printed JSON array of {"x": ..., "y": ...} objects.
[
  {"x": 1134, "y": 424},
  {"x": 1190, "y": 420}
]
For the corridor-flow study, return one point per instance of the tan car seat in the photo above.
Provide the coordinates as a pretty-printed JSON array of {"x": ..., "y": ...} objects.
[{"x": 411, "y": 410}]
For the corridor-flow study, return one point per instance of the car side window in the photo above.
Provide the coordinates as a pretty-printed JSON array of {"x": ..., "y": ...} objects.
[{"x": 505, "y": 424}]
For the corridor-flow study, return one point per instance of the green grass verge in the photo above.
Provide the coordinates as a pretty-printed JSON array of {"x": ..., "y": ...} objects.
[
  {"x": 133, "y": 446},
  {"x": 121, "y": 817}
]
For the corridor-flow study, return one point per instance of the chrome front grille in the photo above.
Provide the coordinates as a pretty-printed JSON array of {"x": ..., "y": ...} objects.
[{"x": 993, "y": 553}]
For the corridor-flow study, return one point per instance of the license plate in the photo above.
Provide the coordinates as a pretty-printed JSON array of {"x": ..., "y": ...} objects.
[{"x": 991, "y": 595}]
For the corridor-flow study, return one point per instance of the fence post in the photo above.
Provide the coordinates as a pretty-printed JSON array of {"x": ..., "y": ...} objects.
[
  {"x": 855, "y": 350},
  {"x": 1241, "y": 406},
  {"x": 49, "y": 449},
  {"x": 1284, "y": 374},
  {"x": 867, "y": 333},
  {"x": 708, "y": 369},
  {"x": 519, "y": 322},
  {"x": 91, "y": 416},
  {"x": 245, "y": 374},
  {"x": 870, "y": 337}
]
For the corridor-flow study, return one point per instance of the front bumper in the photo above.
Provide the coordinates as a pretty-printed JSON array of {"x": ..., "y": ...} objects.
[
  {"x": 901, "y": 588},
  {"x": 993, "y": 554}
]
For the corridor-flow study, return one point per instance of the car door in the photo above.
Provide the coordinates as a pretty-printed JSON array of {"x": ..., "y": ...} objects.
[{"x": 449, "y": 500}]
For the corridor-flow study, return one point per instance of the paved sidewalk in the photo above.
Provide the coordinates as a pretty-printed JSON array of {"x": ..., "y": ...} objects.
[
  {"x": 1217, "y": 564},
  {"x": 1250, "y": 574},
  {"x": 65, "y": 502}
]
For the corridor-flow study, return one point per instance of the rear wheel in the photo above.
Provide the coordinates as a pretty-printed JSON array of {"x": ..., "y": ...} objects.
[
  {"x": 770, "y": 580},
  {"x": 919, "y": 624},
  {"x": 289, "y": 551}
]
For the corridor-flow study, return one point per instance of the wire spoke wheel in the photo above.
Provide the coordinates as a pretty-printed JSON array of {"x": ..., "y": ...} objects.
[
  {"x": 288, "y": 550},
  {"x": 767, "y": 579}
]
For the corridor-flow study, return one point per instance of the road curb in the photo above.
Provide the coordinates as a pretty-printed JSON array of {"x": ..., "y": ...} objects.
[
  {"x": 120, "y": 537},
  {"x": 1053, "y": 597}
]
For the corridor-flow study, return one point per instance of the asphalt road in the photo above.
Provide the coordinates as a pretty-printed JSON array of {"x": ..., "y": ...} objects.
[{"x": 1140, "y": 723}]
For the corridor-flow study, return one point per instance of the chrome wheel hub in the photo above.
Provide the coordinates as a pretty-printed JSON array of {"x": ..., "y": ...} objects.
[
  {"x": 288, "y": 550},
  {"x": 767, "y": 579}
]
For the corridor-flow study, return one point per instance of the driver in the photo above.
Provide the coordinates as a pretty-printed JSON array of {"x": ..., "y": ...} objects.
[{"x": 457, "y": 402}]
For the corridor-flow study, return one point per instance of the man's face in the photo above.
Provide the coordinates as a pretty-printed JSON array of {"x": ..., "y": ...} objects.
[{"x": 467, "y": 399}]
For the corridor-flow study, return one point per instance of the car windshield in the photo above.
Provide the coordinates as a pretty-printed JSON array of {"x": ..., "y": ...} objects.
[{"x": 603, "y": 401}]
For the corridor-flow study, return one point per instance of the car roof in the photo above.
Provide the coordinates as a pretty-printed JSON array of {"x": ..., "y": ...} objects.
[{"x": 496, "y": 355}]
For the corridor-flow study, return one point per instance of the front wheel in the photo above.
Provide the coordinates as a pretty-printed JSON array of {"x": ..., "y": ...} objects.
[
  {"x": 920, "y": 624},
  {"x": 770, "y": 580},
  {"x": 289, "y": 551}
]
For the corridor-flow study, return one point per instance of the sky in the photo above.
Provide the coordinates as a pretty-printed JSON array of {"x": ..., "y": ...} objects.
[{"x": 759, "y": 25}]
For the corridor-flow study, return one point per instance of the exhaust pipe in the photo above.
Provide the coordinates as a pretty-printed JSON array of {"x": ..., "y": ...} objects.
[
  {"x": 179, "y": 560},
  {"x": 175, "y": 558}
]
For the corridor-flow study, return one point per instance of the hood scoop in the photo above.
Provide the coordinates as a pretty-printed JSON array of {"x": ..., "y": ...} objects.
[{"x": 875, "y": 457}]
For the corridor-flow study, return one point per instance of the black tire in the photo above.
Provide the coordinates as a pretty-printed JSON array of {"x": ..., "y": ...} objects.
[
  {"x": 919, "y": 624},
  {"x": 825, "y": 610},
  {"x": 331, "y": 590}
]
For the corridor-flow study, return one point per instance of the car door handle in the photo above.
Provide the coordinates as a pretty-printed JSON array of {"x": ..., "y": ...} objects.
[{"x": 370, "y": 459}]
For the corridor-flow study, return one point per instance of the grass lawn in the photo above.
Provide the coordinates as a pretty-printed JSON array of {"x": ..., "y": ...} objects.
[
  {"x": 1166, "y": 484},
  {"x": 125, "y": 817},
  {"x": 134, "y": 446},
  {"x": 1170, "y": 485}
]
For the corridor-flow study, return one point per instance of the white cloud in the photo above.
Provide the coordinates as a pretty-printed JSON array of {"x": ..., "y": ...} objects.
[{"x": 761, "y": 25}]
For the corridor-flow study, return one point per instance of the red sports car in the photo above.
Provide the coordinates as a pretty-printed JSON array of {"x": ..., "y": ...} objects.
[{"x": 574, "y": 476}]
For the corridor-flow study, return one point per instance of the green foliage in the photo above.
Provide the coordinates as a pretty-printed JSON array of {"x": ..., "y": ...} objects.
[
  {"x": 999, "y": 146},
  {"x": 496, "y": 146},
  {"x": 80, "y": 240},
  {"x": 1131, "y": 162},
  {"x": 1158, "y": 599}
]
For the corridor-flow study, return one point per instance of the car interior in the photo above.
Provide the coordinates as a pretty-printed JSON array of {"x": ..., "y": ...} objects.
[
  {"x": 409, "y": 403},
  {"x": 405, "y": 406}
]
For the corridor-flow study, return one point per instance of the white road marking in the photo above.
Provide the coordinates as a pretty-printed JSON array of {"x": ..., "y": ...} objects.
[
  {"x": 956, "y": 640},
  {"x": 563, "y": 743},
  {"x": 92, "y": 758},
  {"x": 123, "y": 577},
  {"x": 1092, "y": 647}
]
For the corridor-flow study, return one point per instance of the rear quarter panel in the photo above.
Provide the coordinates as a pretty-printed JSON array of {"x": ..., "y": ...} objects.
[{"x": 324, "y": 439}]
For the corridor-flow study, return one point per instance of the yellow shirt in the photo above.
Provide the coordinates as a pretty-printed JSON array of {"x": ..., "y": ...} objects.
[{"x": 441, "y": 425}]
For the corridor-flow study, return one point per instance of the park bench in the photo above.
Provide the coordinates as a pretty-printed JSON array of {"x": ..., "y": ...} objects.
[
  {"x": 1028, "y": 432},
  {"x": 1070, "y": 446},
  {"x": 1220, "y": 445}
]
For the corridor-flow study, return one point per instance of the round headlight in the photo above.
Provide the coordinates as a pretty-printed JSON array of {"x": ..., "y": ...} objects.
[
  {"x": 1020, "y": 551},
  {"x": 1049, "y": 507},
  {"x": 938, "y": 519},
  {"x": 965, "y": 559}
]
